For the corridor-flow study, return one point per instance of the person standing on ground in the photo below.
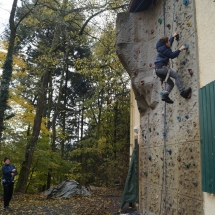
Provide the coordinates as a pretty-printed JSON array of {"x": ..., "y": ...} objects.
[
  {"x": 163, "y": 47},
  {"x": 8, "y": 173}
]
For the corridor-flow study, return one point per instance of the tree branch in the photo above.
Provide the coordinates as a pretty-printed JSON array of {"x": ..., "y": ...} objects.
[
  {"x": 86, "y": 22},
  {"x": 26, "y": 14}
]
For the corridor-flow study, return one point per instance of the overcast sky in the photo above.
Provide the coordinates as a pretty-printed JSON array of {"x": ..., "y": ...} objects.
[{"x": 5, "y": 8}]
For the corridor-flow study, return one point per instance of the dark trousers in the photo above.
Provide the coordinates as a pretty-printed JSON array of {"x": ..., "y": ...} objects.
[
  {"x": 8, "y": 192},
  {"x": 162, "y": 72}
]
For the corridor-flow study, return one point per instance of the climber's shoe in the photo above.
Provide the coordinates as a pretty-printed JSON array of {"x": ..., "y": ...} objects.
[
  {"x": 165, "y": 97},
  {"x": 186, "y": 93}
]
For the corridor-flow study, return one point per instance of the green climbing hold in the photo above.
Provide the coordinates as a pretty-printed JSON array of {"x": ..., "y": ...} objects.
[
  {"x": 160, "y": 21},
  {"x": 187, "y": 166}
]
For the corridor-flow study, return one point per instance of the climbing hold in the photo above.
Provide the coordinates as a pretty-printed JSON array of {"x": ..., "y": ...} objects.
[
  {"x": 177, "y": 37},
  {"x": 187, "y": 116},
  {"x": 179, "y": 119},
  {"x": 135, "y": 73},
  {"x": 170, "y": 204},
  {"x": 188, "y": 23},
  {"x": 179, "y": 159},
  {"x": 185, "y": 2},
  {"x": 164, "y": 134},
  {"x": 146, "y": 174},
  {"x": 187, "y": 166},
  {"x": 195, "y": 183},
  {"x": 176, "y": 19},
  {"x": 160, "y": 21},
  {"x": 190, "y": 149},
  {"x": 150, "y": 65},
  {"x": 194, "y": 124},
  {"x": 169, "y": 151},
  {"x": 190, "y": 72},
  {"x": 168, "y": 26},
  {"x": 142, "y": 82},
  {"x": 150, "y": 157},
  {"x": 152, "y": 31},
  {"x": 161, "y": 158},
  {"x": 142, "y": 134},
  {"x": 138, "y": 51},
  {"x": 194, "y": 164},
  {"x": 186, "y": 46},
  {"x": 183, "y": 62},
  {"x": 161, "y": 93},
  {"x": 150, "y": 129}
]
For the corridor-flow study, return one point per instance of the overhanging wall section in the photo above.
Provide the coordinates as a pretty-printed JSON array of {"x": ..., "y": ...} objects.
[{"x": 207, "y": 127}]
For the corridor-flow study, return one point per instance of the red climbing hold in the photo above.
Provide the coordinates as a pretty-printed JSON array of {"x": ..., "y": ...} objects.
[
  {"x": 142, "y": 82},
  {"x": 135, "y": 73},
  {"x": 136, "y": 40},
  {"x": 190, "y": 72}
]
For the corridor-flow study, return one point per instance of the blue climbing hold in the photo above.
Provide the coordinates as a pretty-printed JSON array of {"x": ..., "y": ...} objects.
[
  {"x": 150, "y": 157},
  {"x": 183, "y": 62},
  {"x": 164, "y": 134},
  {"x": 161, "y": 93},
  {"x": 186, "y": 46},
  {"x": 187, "y": 116},
  {"x": 170, "y": 151},
  {"x": 170, "y": 204},
  {"x": 185, "y": 2},
  {"x": 179, "y": 119}
]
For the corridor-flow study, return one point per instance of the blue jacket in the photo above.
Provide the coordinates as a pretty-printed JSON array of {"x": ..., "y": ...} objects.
[
  {"x": 165, "y": 52},
  {"x": 6, "y": 173}
]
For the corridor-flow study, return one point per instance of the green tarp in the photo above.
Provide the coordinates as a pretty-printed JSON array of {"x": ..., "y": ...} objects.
[{"x": 130, "y": 193}]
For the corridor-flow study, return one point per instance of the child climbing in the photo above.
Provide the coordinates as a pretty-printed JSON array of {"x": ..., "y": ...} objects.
[{"x": 164, "y": 72}]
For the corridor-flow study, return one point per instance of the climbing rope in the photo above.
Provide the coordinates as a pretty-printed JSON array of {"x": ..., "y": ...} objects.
[
  {"x": 163, "y": 191},
  {"x": 129, "y": 18}
]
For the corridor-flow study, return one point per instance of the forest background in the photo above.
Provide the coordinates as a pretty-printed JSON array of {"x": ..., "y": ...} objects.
[{"x": 64, "y": 96}]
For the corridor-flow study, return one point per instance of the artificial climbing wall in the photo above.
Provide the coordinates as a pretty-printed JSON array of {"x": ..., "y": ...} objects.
[{"x": 169, "y": 177}]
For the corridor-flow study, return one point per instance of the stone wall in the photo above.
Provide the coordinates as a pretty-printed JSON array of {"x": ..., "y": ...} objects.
[{"x": 177, "y": 189}]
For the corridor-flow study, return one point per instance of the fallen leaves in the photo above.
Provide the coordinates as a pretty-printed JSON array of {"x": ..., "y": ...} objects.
[{"x": 103, "y": 201}]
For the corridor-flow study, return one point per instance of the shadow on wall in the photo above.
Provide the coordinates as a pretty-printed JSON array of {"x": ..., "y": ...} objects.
[{"x": 145, "y": 83}]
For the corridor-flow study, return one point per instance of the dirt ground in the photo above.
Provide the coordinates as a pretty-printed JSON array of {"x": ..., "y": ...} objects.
[{"x": 103, "y": 201}]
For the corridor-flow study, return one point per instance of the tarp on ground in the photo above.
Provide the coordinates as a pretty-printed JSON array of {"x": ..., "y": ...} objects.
[
  {"x": 66, "y": 189},
  {"x": 130, "y": 193}
]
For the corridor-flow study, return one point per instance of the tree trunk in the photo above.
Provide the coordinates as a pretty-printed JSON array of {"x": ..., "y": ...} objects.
[
  {"x": 26, "y": 165},
  {"x": 8, "y": 65},
  {"x": 64, "y": 112},
  {"x": 7, "y": 70}
]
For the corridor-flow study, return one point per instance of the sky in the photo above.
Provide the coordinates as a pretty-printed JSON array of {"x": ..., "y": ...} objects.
[{"x": 5, "y": 8}]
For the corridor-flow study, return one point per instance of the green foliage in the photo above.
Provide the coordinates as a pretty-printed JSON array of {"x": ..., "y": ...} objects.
[{"x": 85, "y": 127}]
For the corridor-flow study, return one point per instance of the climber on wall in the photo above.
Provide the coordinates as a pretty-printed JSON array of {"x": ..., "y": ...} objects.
[{"x": 164, "y": 72}]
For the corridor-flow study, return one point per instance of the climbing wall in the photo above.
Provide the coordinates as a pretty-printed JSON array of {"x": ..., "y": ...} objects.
[{"x": 169, "y": 176}]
